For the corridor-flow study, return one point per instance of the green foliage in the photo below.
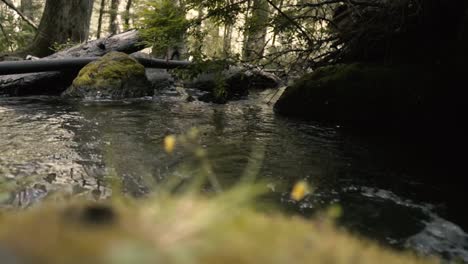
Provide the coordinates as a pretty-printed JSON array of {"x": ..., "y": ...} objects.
[
  {"x": 220, "y": 11},
  {"x": 163, "y": 24},
  {"x": 56, "y": 47},
  {"x": 18, "y": 33}
]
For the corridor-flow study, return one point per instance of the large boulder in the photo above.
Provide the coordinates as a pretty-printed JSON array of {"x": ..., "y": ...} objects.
[
  {"x": 233, "y": 83},
  {"x": 366, "y": 94},
  {"x": 114, "y": 76}
]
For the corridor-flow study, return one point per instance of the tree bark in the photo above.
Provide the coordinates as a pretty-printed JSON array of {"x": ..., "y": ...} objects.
[
  {"x": 101, "y": 14},
  {"x": 63, "y": 21},
  {"x": 114, "y": 12},
  {"x": 53, "y": 83}
]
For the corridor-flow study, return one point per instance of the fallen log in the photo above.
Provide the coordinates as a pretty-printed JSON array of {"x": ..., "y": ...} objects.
[
  {"x": 46, "y": 65},
  {"x": 53, "y": 83}
]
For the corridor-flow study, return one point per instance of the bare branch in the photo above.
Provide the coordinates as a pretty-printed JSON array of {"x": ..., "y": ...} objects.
[
  {"x": 25, "y": 18},
  {"x": 299, "y": 27}
]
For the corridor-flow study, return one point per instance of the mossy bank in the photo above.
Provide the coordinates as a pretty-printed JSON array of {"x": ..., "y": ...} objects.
[
  {"x": 372, "y": 94},
  {"x": 188, "y": 229}
]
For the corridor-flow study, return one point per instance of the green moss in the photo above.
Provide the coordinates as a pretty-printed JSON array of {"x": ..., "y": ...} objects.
[
  {"x": 187, "y": 229},
  {"x": 110, "y": 69}
]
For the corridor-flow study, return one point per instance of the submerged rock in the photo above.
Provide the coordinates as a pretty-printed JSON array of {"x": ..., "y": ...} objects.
[
  {"x": 234, "y": 83},
  {"x": 114, "y": 76},
  {"x": 363, "y": 93}
]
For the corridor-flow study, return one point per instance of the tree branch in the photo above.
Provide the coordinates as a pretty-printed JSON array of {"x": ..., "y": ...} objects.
[
  {"x": 299, "y": 27},
  {"x": 25, "y": 18},
  {"x": 352, "y": 2}
]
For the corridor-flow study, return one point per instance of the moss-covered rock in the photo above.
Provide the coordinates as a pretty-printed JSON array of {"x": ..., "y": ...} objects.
[
  {"x": 232, "y": 84},
  {"x": 180, "y": 230},
  {"x": 114, "y": 76},
  {"x": 362, "y": 93}
]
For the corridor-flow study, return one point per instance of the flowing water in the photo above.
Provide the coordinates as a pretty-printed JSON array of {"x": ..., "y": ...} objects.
[{"x": 49, "y": 145}]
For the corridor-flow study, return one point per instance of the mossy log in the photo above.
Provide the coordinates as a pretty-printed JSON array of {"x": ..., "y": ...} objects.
[
  {"x": 53, "y": 83},
  {"x": 45, "y": 65}
]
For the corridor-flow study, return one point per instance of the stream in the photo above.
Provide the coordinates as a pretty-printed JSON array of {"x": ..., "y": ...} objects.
[{"x": 381, "y": 184}]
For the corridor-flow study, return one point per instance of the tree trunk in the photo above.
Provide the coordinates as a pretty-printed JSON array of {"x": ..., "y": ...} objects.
[
  {"x": 63, "y": 21},
  {"x": 280, "y": 6},
  {"x": 127, "y": 14},
  {"x": 213, "y": 42},
  {"x": 101, "y": 14},
  {"x": 227, "y": 40},
  {"x": 114, "y": 12},
  {"x": 255, "y": 34},
  {"x": 27, "y": 8}
]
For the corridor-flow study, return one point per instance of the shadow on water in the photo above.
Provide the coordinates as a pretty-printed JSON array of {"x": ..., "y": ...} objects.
[{"x": 388, "y": 188}]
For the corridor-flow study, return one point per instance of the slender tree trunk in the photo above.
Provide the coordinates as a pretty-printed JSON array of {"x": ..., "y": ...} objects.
[
  {"x": 280, "y": 6},
  {"x": 127, "y": 14},
  {"x": 114, "y": 12},
  {"x": 246, "y": 27},
  {"x": 63, "y": 21},
  {"x": 27, "y": 9},
  {"x": 214, "y": 46},
  {"x": 227, "y": 40},
  {"x": 101, "y": 14},
  {"x": 256, "y": 30}
]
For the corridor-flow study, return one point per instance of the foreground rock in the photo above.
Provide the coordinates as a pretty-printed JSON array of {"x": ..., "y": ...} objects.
[
  {"x": 367, "y": 94},
  {"x": 183, "y": 229},
  {"x": 234, "y": 83},
  {"x": 115, "y": 76},
  {"x": 54, "y": 83}
]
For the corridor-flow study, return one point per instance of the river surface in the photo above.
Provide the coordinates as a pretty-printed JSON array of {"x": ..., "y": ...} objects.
[{"x": 49, "y": 145}]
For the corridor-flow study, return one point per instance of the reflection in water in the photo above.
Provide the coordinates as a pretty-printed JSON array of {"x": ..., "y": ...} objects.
[{"x": 48, "y": 145}]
